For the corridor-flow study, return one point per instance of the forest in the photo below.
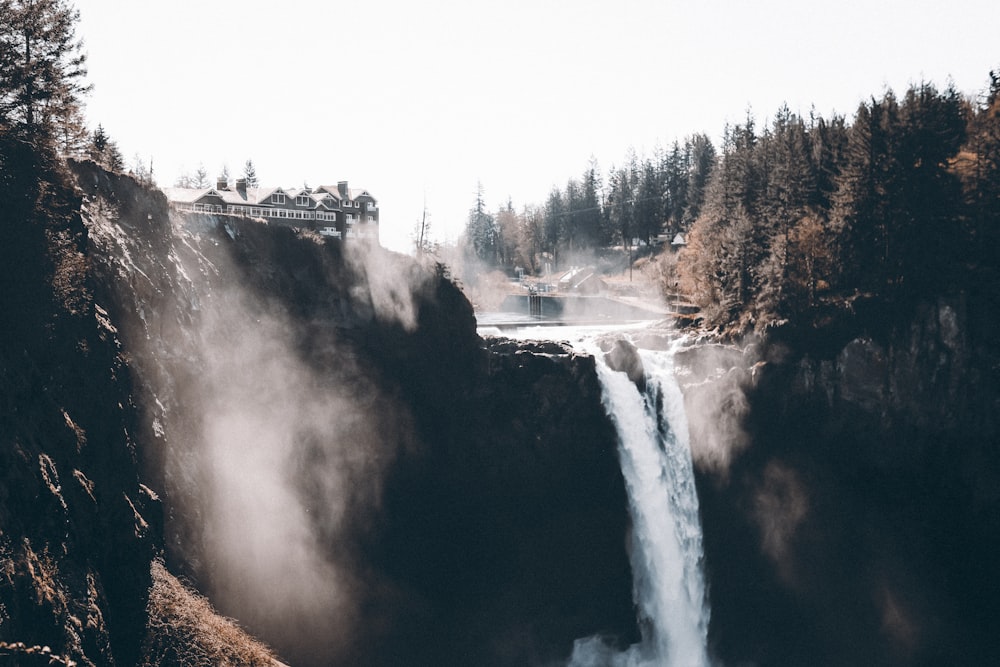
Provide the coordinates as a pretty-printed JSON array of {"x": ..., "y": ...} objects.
[{"x": 794, "y": 219}]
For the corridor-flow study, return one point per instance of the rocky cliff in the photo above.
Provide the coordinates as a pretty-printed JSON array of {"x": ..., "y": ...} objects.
[
  {"x": 849, "y": 489},
  {"x": 78, "y": 529},
  {"x": 312, "y": 433}
]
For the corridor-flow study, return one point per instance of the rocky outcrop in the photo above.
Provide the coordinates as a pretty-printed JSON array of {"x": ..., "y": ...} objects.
[
  {"x": 77, "y": 528},
  {"x": 623, "y": 356},
  {"x": 848, "y": 491}
]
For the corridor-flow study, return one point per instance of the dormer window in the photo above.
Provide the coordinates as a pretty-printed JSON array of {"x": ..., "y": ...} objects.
[
  {"x": 278, "y": 198},
  {"x": 302, "y": 200}
]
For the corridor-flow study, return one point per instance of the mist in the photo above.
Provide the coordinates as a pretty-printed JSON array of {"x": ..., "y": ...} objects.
[
  {"x": 275, "y": 445},
  {"x": 716, "y": 405}
]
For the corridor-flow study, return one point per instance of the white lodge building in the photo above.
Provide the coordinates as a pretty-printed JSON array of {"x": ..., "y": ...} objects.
[{"x": 340, "y": 212}]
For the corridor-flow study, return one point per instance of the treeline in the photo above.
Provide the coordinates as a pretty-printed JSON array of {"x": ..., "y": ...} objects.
[
  {"x": 43, "y": 82},
  {"x": 800, "y": 215},
  {"x": 42, "y": 73},
  {"x": 641, "y": 199},
  {"x": 902, "y": 203}
]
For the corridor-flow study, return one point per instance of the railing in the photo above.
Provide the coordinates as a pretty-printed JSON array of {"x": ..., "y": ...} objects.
[{"x": 354, "y": 227}]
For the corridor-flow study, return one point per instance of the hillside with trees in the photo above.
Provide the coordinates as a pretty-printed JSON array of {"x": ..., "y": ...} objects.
[
  {"x": 801, "y": 219},
  {"x": 809, "y": 215}
]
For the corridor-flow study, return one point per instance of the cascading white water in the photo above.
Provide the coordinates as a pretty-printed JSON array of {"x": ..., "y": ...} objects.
[
  {"x": 668, "y": 584},
  {"x": 666, "y": 549}
]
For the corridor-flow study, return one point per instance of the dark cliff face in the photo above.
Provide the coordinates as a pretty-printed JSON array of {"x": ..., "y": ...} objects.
[
  {"x": 77, "y": 529},
  {"x": 854, "y": 517},
  {"x": 346, "y": 467},
  {"x": 512, "y": 525}
]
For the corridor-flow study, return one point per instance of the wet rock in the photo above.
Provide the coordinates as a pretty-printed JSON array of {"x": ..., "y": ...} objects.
[{"x": 624, "y": 357}]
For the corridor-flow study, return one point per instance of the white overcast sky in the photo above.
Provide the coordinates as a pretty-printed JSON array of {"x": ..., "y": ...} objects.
[{"x": 423, "y": 99}]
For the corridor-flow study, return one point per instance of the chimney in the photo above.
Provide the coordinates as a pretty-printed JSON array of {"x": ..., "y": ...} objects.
[
  {"x": 221, "y": 184},
  {"x": 241, "y": 187},
  {"x": 342, "y": 188}
]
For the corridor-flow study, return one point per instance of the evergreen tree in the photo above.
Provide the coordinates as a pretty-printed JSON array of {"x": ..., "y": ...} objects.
[
  {"x": 508, "y": 231},
  {"x": 529, "y": 244},
  {"x": 828, "y": 148},
  {"x": 860, "y": 206},
  {"x": 675, "y": 168},
  {"x": 982, "y": 176},
  {"x": 589, "y": 216},
  {"x": 552, "y": 223},
  {"x": 621, "y": 206},
  {"x": 42, "y": 68},
  {"x": 928, "y": 237},
  {"x": 200, "y": 178},
  {"x": 648, "y": 203},
  {"x": 250, "y": 174},
  {"x": 481, "y": 231},
  {"x": 569, "y": 232},
  {"x": 701, "y": 163},
  {"x": 104, "y": 151}
]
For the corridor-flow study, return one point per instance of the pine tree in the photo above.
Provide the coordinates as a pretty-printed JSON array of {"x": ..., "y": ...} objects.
[
  {"x": 860, "y": 206},
  {"x": 42, "y": 68},
  {"x": 555, "y": 213},
  {"x": 982, "y": 176},
  {"x": 569, "y": 231},
  {"x": 701, "y": 164},
  {"x": 648, "y": 203},
  {"x": 200, "y": 179},
  {"x": 481, "y": 231},
  {"x": 103, "y": 150},
  {"x": 929, "y": 238},
  {"x": 589, "y": 217},
  {"x": 250, "y": 174},
  {"x": 529, "y": 243},
  {"x": 675, "y": 168},
  {"x": 508, "y": 231}
]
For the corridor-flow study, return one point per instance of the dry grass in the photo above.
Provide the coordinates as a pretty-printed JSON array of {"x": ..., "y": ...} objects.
[{"x": 184, "y": 630}]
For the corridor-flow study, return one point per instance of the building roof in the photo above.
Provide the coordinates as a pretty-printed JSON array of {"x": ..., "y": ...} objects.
[
  {"x": 259, "y": 196},
  {"x": 185, "y": 195},
  {"x": 330, "y": 189}
]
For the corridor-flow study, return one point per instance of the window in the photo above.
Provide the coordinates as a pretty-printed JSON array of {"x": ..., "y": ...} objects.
[
  {"x": 278, "y": 198},
  {"x": 371, "y": 218},
  {"x": 302, "y": 200}
]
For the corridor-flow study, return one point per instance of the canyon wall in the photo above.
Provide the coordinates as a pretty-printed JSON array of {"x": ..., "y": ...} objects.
[{"x": 849, "y": 483}]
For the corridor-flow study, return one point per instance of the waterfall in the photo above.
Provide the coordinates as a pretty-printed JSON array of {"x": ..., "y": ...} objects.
[{"x": 666, "y": 548}]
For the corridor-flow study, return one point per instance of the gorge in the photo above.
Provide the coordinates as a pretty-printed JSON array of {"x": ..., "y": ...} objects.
[{"x": 317, "y": 438}]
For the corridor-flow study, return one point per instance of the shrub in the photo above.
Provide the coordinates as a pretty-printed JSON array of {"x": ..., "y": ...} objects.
[{"x": 184, "y": 629}]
